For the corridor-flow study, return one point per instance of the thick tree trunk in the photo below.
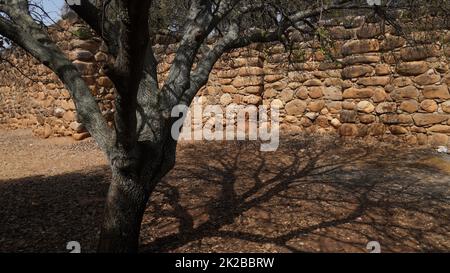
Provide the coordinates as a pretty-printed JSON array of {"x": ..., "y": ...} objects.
[{"x": 125, "y": 206}]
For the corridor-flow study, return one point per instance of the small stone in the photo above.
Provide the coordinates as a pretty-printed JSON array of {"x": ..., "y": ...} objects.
[
  {"x": 409, "y": 106},
  {"x": 398, "y": 130},
  {"x": 429, "y": 105},
  {"x": 366, "y": 119},
  {"x": 316, "y": 106},
  {"x": 315, "y": 92},
  {"x": 80, "y": 136},
  {"x": 446, "y": 107},
  {"x": 335, "y": 123},
  {"x": 386, "y": 107},
  {"x": 365, "y": 107},
  {"x": 47, "y": 131},
  {"x": 226, "y": 99},
  {"x": 295, "y": 107}
]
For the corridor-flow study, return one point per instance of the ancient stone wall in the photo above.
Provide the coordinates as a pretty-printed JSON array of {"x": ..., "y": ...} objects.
[{"x": 359, "y": 79}]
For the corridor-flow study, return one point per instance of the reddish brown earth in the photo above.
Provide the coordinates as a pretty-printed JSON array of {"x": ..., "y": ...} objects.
[{"x": 314, "y": 194}]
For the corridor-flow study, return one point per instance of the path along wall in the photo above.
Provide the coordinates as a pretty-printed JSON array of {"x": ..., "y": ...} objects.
[{"x": 358, "y": 80}]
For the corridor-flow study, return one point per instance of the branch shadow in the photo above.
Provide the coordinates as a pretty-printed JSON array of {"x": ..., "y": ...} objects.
[
  {"x": 313, "y": 194},
  {"x": 44, "y": 213}
]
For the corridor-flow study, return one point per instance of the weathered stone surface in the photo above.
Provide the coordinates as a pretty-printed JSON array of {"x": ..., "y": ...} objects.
[
  {"x": 369, "y": 30},
  {"x": 295, "y": 107},
  {"x": 341, "y": 33},
  {"x": 362, "y": 59},
  {"x": 226, "y": 99},
  {"x": 315, "y": 92},
  {"x": 396, "y": 119},
  {"x": 250, "y": 71},
  {"x": 358, "y": 93},
  {"x": 84, "y": 67},
  {"x": 348, "y": 116},
  {"x": 376, "y": 129},
  {"x": 446, "y": 107},
  {"x": 440, "y": 129},
  {"x": 391, "y": 42},
  {"x": 429, "y": 105},
  {"x": 427, "y": 78},
  {"x": 273, "y": 78},
  {"x": 80, "y": 136},
  {"x": 360, "y": 46},
  {"x": 365, "y": 107},
  {"x": 372, "y": 81},
  {"x": 228, "y": 73},
  {"x": 409, "y": 106},
  {"x": 276, "y": 103},
  {"x": 334, "y": 107},
  {"x": 402, "y": 82},
  {"x": 366, "y": 119},
  {"x": 332, "y": 93},
  {"x": 316, "y": 106},
  {"x": 302, "y": 93},
  {"x": 382, "y": 69},
  {"x": 313, "y": 82},
  {"x": 412, "y": 68},
  {"x": 379, "y": 95},
  {"x": 408, "y": 92},
  {"x": 81, "y": 55},
  {"x": 348, "y": 130},
  {"x": 436, "y": 140},
  {"x": 335, "y": 123},
  {"x": 286, "y": 95},
  {"x": 240, "y": 82},
  {"x": 386, "y": 107},
  {"x": 429, "y": 119},
  {"x": 398, "y": 130},
  {"x": 84, "y": 44},
  {"x": 232, "y": 89},
  {"x": 436, "y": 92},
  {"x": 252, "y": 100},
  {"x": 356, "y": 71},
  {"x": 417, "y": 53},
  {"x": 348, "y": 105}
]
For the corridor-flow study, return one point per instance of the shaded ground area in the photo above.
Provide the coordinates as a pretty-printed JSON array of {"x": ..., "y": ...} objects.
[{"x": 313, "y": 194}]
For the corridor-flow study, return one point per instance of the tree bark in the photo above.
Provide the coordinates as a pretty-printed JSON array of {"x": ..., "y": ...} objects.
[{"x": 125, "y": 205}]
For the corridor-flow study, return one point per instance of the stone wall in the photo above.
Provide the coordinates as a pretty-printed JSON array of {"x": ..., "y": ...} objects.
[{"x": 359, "y": 79}]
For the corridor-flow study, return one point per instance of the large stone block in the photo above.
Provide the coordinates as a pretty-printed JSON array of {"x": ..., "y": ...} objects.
[
  {"x": 360, "y": 46},
  {"x": 358, "y": 93},
  {"x": 429, "y": 119},
  {"x": 408, "y": 92},
  {"x": 412, "y": 68},
  {"x": 436, "y": 92},
  {"x": 356, "y": 71}
]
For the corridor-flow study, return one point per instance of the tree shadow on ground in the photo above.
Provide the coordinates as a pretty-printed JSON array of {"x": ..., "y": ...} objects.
[
  {"x": 313, "y": 194},
  {"x": 310, "y": 195},
  {"x": 42, "y": 214}
]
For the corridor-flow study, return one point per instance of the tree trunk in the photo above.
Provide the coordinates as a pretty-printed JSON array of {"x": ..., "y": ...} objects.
[{"x": 125, "y": 205}]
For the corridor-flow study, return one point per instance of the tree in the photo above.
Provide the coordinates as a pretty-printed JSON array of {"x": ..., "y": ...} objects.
[{"x": 139, "y": 147}]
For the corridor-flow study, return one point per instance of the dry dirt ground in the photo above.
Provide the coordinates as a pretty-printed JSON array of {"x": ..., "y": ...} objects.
[{"x": 313, "y": 195}]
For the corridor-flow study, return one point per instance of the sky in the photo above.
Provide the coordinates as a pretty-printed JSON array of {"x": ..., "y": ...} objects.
[{"x": 53, "y": 8}]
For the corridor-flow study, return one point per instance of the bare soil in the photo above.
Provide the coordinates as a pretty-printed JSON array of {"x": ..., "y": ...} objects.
[{"x": 314, "y": 194}]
